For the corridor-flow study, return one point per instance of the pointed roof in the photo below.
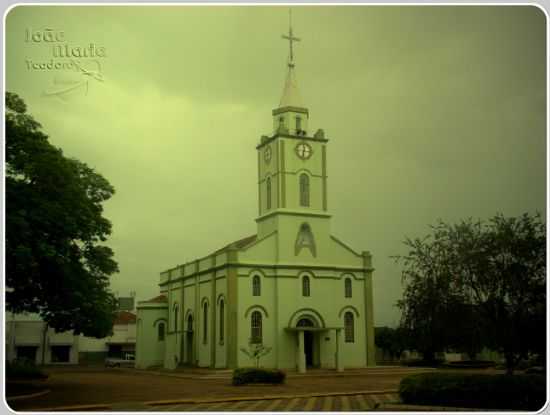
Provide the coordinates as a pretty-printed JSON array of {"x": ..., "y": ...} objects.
[{"x": 291, "y": 95}]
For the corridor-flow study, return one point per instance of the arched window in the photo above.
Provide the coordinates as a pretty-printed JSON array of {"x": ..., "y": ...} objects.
[
  {"x": 176, "y": 317},
  {"x": 348, "y": 327},
  {"x": 256, "y": 327},
  {"x": 304, "y": 189},
  {"x": 256, "y": 287},
  {"x": 190, "y": 323},
  {"x": 305, "y": 286},
  {"x": 205, "y": 322},
  {"x": 268, "y": 192},
  {"x": 347, "y": 287},
  {"x": 281, "y": 123},
  {"x": 221, "y": 321},
  {"x": 160, "y": 329},
  {"x": 305, "y": 322}
]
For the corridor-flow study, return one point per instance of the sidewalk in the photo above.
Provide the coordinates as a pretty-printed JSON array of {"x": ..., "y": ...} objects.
[
  {"x": 207, "y": 373},
  {"x": 364, "y": 400}
]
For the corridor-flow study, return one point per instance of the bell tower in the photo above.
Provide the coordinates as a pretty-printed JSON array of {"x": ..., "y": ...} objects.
[{"x": 292, "y": 172}]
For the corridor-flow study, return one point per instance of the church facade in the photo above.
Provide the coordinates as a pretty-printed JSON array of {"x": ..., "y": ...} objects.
[{"x": 292, "y": 287}]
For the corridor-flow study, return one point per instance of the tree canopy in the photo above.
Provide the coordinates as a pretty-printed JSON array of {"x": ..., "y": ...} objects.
[
  {"x": 56, "y": 264},
  {"x": 393, "y": 341},
  {"x": 478, "y": 283}
]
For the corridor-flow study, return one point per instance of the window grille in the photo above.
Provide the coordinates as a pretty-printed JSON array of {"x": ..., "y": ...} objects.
[
  {"x": 348, "y": 327},
  {"x": 222, "y": 306},
  {"x": 347, "y": 288},
  {"x": 305, "y": 286},
  {"x": 256, "y": 287},
  {"x": 256, "y": 327},
  {"x": 205, "y": 323},
  {"x": 161, "y": 332},
  {"x": 268, "y": 192},
  {"x": 304, "y": 190}
]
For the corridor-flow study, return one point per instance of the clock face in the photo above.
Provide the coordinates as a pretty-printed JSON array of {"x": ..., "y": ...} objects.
[
  {"x": 267, "y": 154},
  {"x": 304, "y": 151}
]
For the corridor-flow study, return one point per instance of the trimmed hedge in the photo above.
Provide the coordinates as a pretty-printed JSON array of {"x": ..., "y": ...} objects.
[
  {"x": 18, "y": 389},
  {"x": 253, "y": 375},
  {"x": 519, "y": 392},
  {"x": 422, "y": 363},
  {"x": 536, "y": 369},
  {"x": 471, "y": 364},
  {"x": 23, "y": 369}
]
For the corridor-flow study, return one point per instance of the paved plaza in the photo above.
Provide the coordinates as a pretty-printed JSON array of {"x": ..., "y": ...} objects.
[
  {"x": 102, "y": 389},
  {"x": 357, "y": 402}
]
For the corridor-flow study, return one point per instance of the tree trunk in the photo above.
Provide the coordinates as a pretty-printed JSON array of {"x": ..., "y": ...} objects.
[
  {"x": 510, "y": 363},
  {"x": 428, "y": 356}
]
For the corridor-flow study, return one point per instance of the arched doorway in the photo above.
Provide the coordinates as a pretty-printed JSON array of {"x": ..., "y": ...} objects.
[
  {"x": 189, "y": 340},
  {"x": 309, "y": 341}
]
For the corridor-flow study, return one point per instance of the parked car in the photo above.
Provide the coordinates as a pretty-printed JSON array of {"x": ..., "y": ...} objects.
[{"x": 127, "y": 361}]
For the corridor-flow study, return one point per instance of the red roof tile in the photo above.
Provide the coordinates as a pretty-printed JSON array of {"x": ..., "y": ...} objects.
[
  {"x": 158, "y": 299},
  {"x": 125, "y": 317}
]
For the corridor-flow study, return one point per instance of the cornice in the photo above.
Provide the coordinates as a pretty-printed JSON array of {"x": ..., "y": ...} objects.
[
  {"x": 292, "y": 137},
  {"x": 270, "y": 266},
  {"x": 281, "y": 110},
  {"x": 280, "y": 211}
]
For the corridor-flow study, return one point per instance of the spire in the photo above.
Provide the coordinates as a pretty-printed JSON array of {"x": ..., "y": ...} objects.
[{"x": 291, "y": 96}]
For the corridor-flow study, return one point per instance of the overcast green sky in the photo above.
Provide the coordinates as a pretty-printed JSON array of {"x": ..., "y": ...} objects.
[{"x": 432, "y": 112}]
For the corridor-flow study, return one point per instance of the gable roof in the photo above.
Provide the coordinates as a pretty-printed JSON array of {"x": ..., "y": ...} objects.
[
  {"x": 158, "y": 299},
  {"x": 241, "y": 243}
]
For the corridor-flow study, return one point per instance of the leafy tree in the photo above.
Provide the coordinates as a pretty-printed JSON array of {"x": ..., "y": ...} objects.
[
  {"x": 391, "y": 341},
  {"x": 503, "y": 264},
  {"x": 429, "y": 300},
  {"x": 489, "y": 277},
  {"x": 55, "y": 263},
  {"x": 256, "y": 351}
]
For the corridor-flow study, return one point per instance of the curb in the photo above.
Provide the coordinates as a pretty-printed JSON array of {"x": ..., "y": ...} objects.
[
  {"x": 291, "y": 374},
  {"x": 72, "y": 408},
  {"x": 397, "y": 407},
  {"x": 264, "y": 398},
  {"x": 29, "y": 396},
  {"x": 348, "y": 373}
]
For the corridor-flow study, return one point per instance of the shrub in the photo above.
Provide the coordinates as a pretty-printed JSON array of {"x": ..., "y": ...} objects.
[
  {"x": 536, "y": 369},
  {"x": 514, "y": 392},
  {"x": 422, "y": 362},
  {"x": 471, "y": 364},
  {"x": 255, "y": 375},
  {"x": 23, "y": 369}
]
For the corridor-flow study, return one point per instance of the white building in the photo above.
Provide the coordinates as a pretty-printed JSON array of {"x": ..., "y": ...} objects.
[
  {"x": 293, "y": 286},
  {"x": 28, "y": 337}
]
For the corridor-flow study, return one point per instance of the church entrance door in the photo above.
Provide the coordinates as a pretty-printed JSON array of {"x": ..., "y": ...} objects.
[
  {"x": 189, "y": 341},
  {"x": 309, "y": 341},
  {"x": 308, "y": 348}
]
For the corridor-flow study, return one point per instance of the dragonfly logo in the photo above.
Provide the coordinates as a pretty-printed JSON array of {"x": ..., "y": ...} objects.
[{"x": 77, "y": 81}]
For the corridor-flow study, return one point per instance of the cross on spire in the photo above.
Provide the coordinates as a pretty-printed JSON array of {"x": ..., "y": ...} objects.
[{"x": 290, "y": 38}]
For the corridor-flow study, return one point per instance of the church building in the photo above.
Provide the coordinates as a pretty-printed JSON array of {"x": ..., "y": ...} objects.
[{"x": 292, "y": 287}]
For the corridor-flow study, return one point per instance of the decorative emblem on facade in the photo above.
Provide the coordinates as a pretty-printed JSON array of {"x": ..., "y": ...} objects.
[
  {"x": 305, "y": 240},
  {"x": 267, "y": 154},
  {"x": 304, "y": 151}
]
